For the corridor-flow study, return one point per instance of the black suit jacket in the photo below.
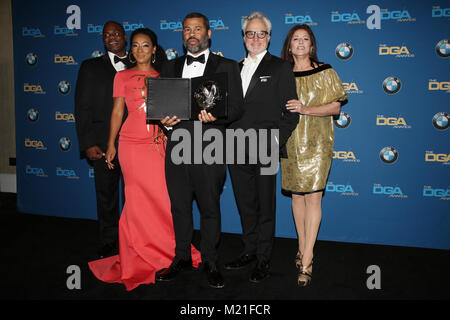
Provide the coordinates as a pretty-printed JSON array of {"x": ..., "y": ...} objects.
[
  {"x": 215, "y": 64},
  {"x": 94, "y": 102},
  {"x": 271, "y": 86}
]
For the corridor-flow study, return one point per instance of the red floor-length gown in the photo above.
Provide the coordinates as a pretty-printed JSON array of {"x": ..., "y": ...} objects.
[{"x": 146, "y": 234}]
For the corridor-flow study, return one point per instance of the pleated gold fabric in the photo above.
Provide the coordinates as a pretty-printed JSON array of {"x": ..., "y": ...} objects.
[{"x": 310, "y": 147}]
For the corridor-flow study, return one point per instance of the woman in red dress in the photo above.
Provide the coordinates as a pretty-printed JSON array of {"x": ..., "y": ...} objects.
[{"x": 146, "y": 235}]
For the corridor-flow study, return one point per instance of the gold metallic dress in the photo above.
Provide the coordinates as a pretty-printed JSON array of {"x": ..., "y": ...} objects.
[{"x": 310, "y": 147}]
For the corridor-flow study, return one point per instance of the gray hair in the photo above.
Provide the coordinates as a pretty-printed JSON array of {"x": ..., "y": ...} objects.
[{"x": 256, "y": 15}]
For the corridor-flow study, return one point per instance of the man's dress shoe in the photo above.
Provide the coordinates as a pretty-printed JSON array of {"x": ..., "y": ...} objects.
[
  {"x": 260, "y": 273},
  {"x": 240, "y": 262},
  {"x": 168, "y": 274},
  {"x": 215, "y": 279}
]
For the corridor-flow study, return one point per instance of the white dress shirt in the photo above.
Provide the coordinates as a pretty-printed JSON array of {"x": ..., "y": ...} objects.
[
  {"x": 249, "y": 68},
  {"x": 119, "y": 66},
  {"x": 195, "y": 69}
]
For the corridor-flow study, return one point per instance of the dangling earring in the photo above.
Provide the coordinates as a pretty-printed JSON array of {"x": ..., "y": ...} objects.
[
  {"x": 129, "y": 57},
  {"x": 153, "y": 58}
]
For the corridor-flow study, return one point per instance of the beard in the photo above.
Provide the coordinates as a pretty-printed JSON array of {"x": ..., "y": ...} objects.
[{"x": 196, "y": 48}]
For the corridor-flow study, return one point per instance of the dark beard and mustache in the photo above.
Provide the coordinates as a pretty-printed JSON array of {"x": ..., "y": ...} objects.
[{"x": 198, "y": 48}]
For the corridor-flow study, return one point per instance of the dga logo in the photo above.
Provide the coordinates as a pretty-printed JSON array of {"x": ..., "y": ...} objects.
[
  {"x": 306, "y": 19},
  {"x": 33, "y": 115},
  {"x": 344, "y": 51},
  {"x": 343, "y": 189},
  {"x": 343, "y": 121},
  {"x": 434, "y": 85},
  {"x": 132, "y": 26},
  {"x": 394, "y": 122},
  {"x": 33, "y": 88},
  {"x": 38, "y": 172},
  {"x": 388, "y": 155},
  {"x": 217, "y": 24},
  {"x": 351, "y": 88},
  {"x": 350, "y": 18},
  {"x": 64, "y": 87},
  {"x": 443, "y": 158},
  {"x": 94, "y": 28},
  {"x": 219, "y": 53},
  {"x": 437, "y": 12},
  {"x": 441, "y": 121},
  {"x": 96, "y": 54},
  {"x": 32, "y": 32},
  {"x": 443, "y": 48},
  {"x": 167, "y": 25},
  {"x": 37, "y": 144},
  {"x": 68, "y": 60},
  {"x": 57, "y": 30},
  {"x": 64, "y": 144},
  {"x": 91, "y": 173},
  {"x": 392, "y": 85},
  {"x": 68, "y": 117},
  {"x": 171, "y": 54},
  {"x": 345, "y": 156},
  {"x": 443, "y": 194},
  {"x": 398, "y": 52},
  {"x": 392, "y": 192},
  {"x": 68, "y": 173},
  {"x": 31, "y": 59}
]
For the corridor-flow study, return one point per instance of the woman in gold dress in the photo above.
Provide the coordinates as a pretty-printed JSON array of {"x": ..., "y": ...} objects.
[{"x": 310, "y": 148}]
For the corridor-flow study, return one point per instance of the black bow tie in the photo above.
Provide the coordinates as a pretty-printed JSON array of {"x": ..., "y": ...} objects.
[
  {"x": 125, "y": 60},
  {"x": 200, "y": 58}
]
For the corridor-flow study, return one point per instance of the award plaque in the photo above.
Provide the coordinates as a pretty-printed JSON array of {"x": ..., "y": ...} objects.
[
  {"x": 168, "y": 97},
  {"x": 210, "y": 93}
]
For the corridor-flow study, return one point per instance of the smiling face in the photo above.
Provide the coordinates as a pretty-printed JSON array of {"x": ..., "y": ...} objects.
[
  {"x": 142, "y": 48},
  {"x": 301, "y": 43},
  {"x": 256, "y": 45},
  {"x": 195, "y": 35},
  {"x": 114, "y": 39}
]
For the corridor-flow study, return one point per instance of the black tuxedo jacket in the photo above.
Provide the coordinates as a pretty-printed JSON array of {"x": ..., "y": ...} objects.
[
  {"x": 271, "y": 86},
  {"x": 215, "y": 64},
  {"x": 94, "y": 102}
]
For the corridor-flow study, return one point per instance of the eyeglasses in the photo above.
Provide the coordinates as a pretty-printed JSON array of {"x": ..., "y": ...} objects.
[{"x": 259, "y": 34}]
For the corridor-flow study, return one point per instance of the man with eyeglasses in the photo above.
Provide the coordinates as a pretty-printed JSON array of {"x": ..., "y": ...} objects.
[
  {"x": 202, "y": 182},
  {"x": 268, "y": 83},
  {"x": 93, "y": 106}
]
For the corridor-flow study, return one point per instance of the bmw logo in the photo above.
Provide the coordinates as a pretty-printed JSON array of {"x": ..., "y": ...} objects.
[
  {"x": 440, "y": 121},
  {"x": 171, "y": 54},
  {"x": 392, "y": 85},
  {"x": 344, "y": 51},
  {"x": 388, "y": 155},
  {"x": 64, "y": 144},
  {"x": 343, "y": 121},
  {"x": 31, "y": 59},
  {"x": 64, "y": 87},
  {"x": 33, "y": 115},
  {"x": 96, "y": 54},
  {"x": 443, "y": 48}
]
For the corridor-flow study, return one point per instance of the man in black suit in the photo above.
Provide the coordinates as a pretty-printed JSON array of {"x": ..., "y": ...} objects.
[
  {"x": 203, "y": 182},
  {"x": 268, "y": 83},
  {"x": 93, "y": 106}
]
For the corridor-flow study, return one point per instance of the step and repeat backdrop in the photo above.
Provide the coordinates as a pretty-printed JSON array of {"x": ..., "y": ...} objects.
[{"x": 389, "y": 182}]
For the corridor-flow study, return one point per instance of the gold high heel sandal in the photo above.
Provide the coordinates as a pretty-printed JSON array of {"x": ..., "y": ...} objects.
[
  {"x": 298, "y": 260},
  {"x": 305, "y": 276}
]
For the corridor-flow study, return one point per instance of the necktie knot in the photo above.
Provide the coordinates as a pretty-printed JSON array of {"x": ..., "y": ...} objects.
[{"x": 191, "y": 59}]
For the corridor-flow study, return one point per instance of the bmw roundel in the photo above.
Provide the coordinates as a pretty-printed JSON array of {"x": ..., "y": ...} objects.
[
  {"x": 171, "y": 54},
  {"x": 388, "y": 155},
  {"x": 33, "y": 115},
  {"x": 443, "y": 48},
  {"x": 64, "y": 87},
  {"x": 96, "y": 54},
  {"x": 31, "y": 59},
  {"x": 392, "y": 85},
  {"x": 441, "y": 120},
  {"x": 344, "y": 51},
  {"x": 343, "y": 121},
  {"x": 64, "y": 144}
]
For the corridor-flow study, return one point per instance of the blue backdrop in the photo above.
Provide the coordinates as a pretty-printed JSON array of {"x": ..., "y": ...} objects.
[{"x": 389, "y": 181}]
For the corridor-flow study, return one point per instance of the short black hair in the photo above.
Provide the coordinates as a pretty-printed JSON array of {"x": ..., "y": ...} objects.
[
  {"x": 198, "y": 15},
  {"x": 116, "y": 23}
]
